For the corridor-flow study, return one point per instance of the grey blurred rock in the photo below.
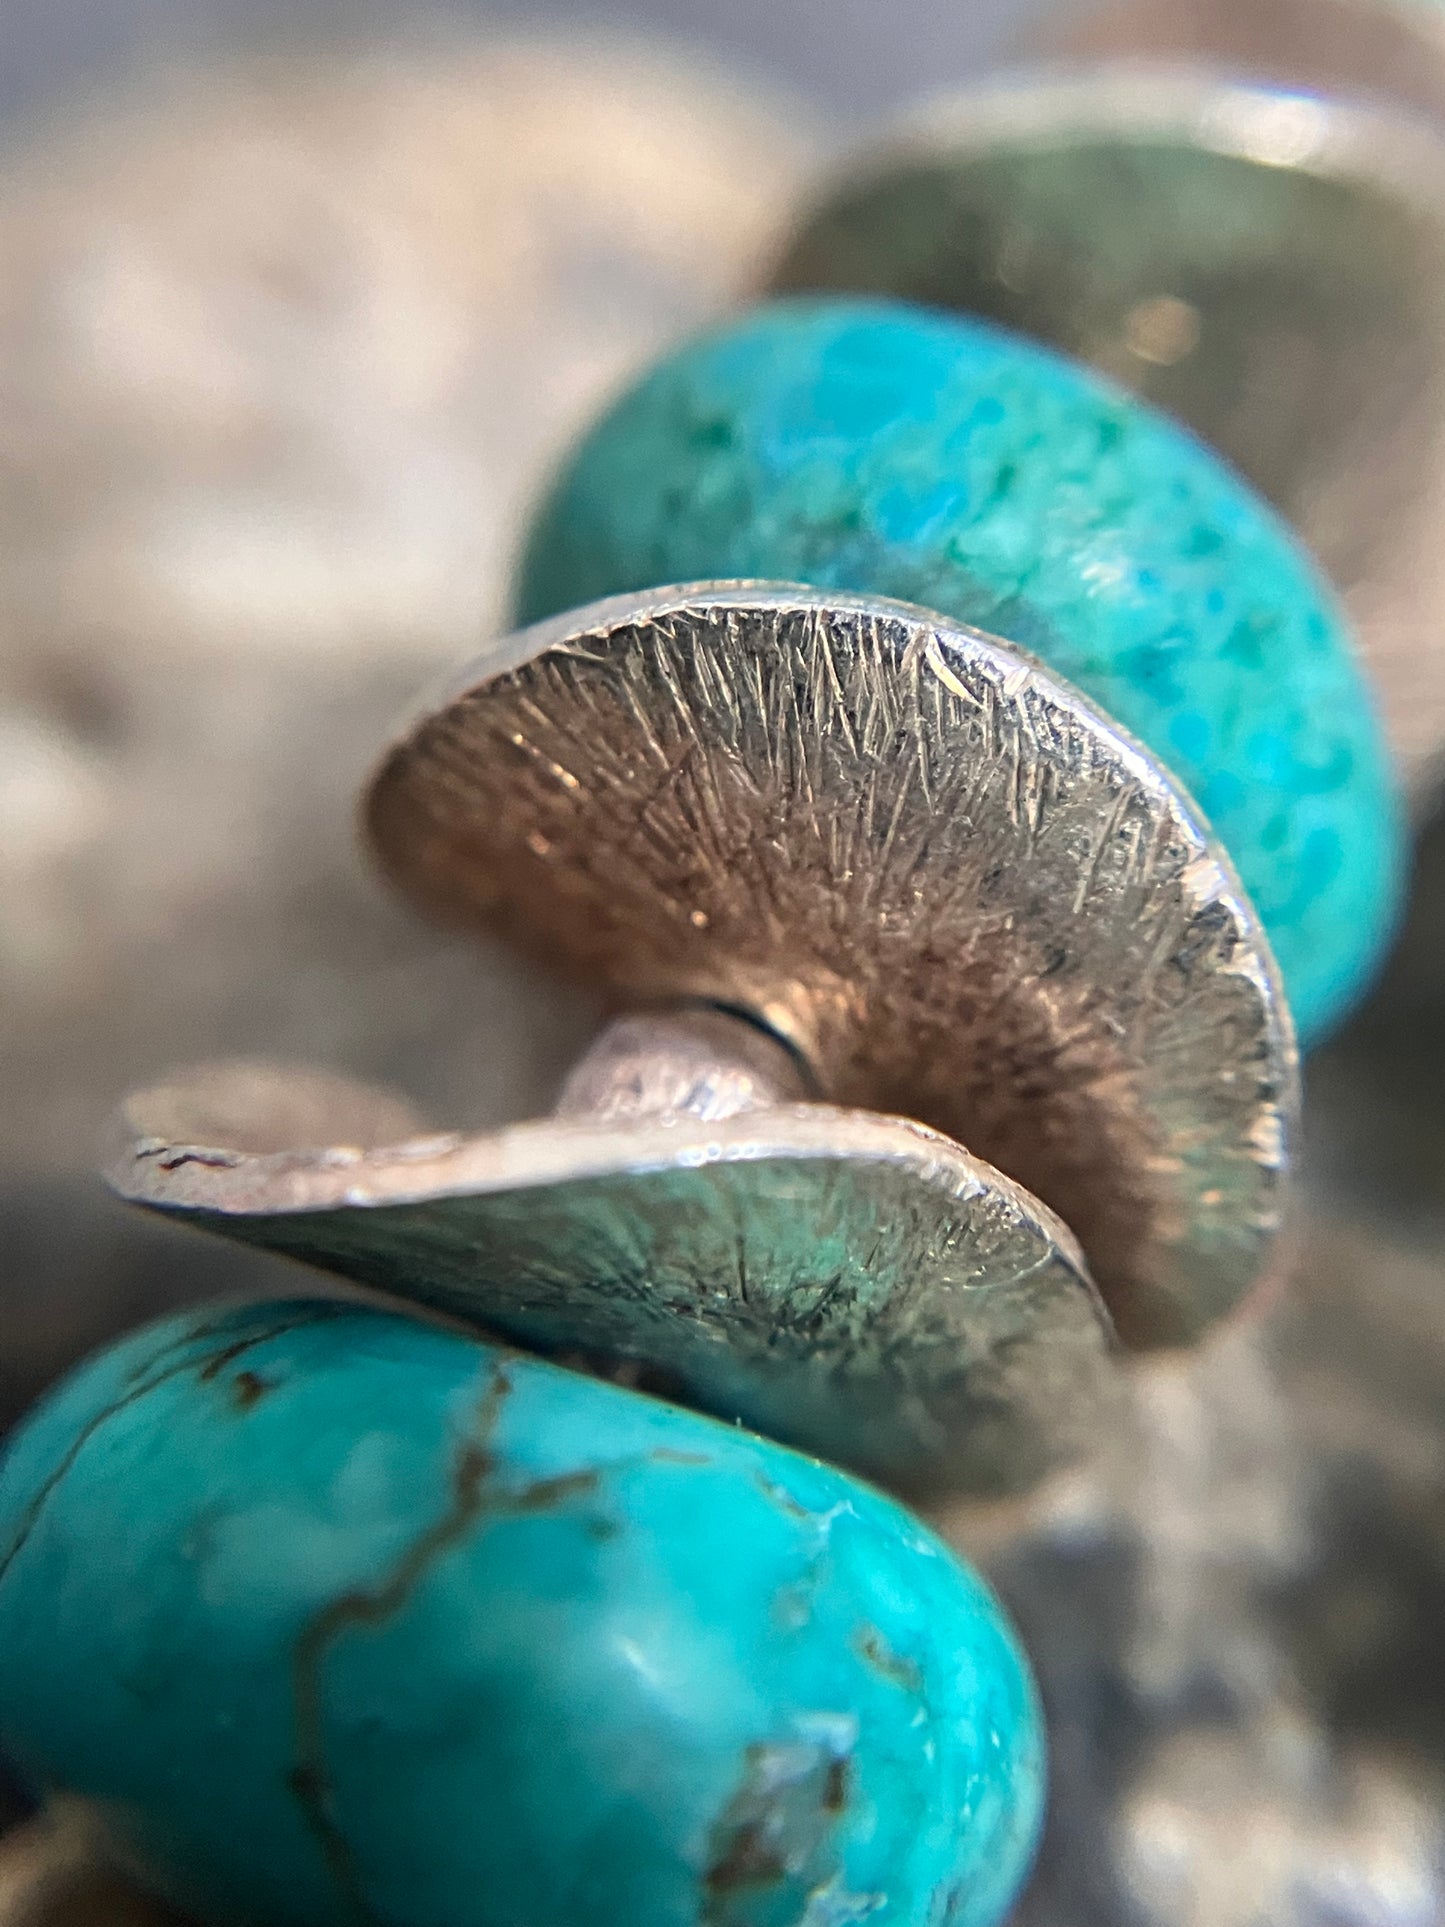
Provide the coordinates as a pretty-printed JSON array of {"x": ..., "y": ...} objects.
[
  {"x": 1235, "y": 1612},
  {"x": 1236, "y": 1607},
  {"x": 284, "y": 349}
]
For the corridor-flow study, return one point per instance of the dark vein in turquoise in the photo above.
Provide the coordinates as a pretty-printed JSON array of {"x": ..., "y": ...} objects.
[
  {"x": 473, "y": 1465},
  {"x": 309, "y": 1779},
  {"x": 132, "y": 1395}
]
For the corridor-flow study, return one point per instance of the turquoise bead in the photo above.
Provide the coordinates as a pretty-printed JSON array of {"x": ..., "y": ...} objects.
[
  {"x": 335, "y": 1617},
  {"x": 868, "y": 445}
]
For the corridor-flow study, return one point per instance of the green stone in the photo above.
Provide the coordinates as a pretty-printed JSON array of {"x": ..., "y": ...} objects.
[
  {"x": 333, "y": 1617},
  {"x": 869, "y": 445}
]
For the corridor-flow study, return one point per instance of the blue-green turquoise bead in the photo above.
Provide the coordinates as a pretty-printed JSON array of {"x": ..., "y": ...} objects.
[
  {"x": 337, "y": 1618},
  {"x": 869, "y": 445}
]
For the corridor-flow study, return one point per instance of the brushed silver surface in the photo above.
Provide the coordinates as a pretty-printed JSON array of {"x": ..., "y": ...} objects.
[
  {"x": 853, "y": 1284},
  {"x": 699, "y": 1063},
  {"x": 942, "y": 875}
]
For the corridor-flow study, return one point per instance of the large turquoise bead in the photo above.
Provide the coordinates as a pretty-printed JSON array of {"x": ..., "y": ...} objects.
[
  {"x": 337, "y": 1618},
  {"x": 869, "y": 445}
]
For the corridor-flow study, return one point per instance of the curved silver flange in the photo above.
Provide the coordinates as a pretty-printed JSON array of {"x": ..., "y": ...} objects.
[
  {"x": 924, "y": 877},
  {"x": 855, "y": 1285}
]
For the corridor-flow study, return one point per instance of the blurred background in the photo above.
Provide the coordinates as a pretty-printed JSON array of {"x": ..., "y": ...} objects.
[
  {"x": 848, "y": 56},
  {"x": 298, "y": 298}
]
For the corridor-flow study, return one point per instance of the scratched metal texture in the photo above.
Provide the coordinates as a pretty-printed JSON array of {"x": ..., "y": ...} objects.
[
  {"x": 857, "y": 1288},
  {"x": 959, "y": 890}
]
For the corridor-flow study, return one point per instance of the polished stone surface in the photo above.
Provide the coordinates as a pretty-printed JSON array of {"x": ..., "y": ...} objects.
[
  {"x": 865, "y": 444},
  {"x": 335, "y": 1616}
]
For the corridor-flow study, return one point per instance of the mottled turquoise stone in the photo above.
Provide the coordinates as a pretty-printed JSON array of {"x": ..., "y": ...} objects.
[
  {"x": 336, "y": 1618},
  {"x": 870, "y": 445}
]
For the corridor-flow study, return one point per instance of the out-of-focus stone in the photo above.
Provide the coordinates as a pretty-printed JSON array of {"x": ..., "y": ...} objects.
[
  {"x": 1234, "y": 1614},
  {"x": 1263, "y": 1825},
  {"x": 283, "y": 349}
]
